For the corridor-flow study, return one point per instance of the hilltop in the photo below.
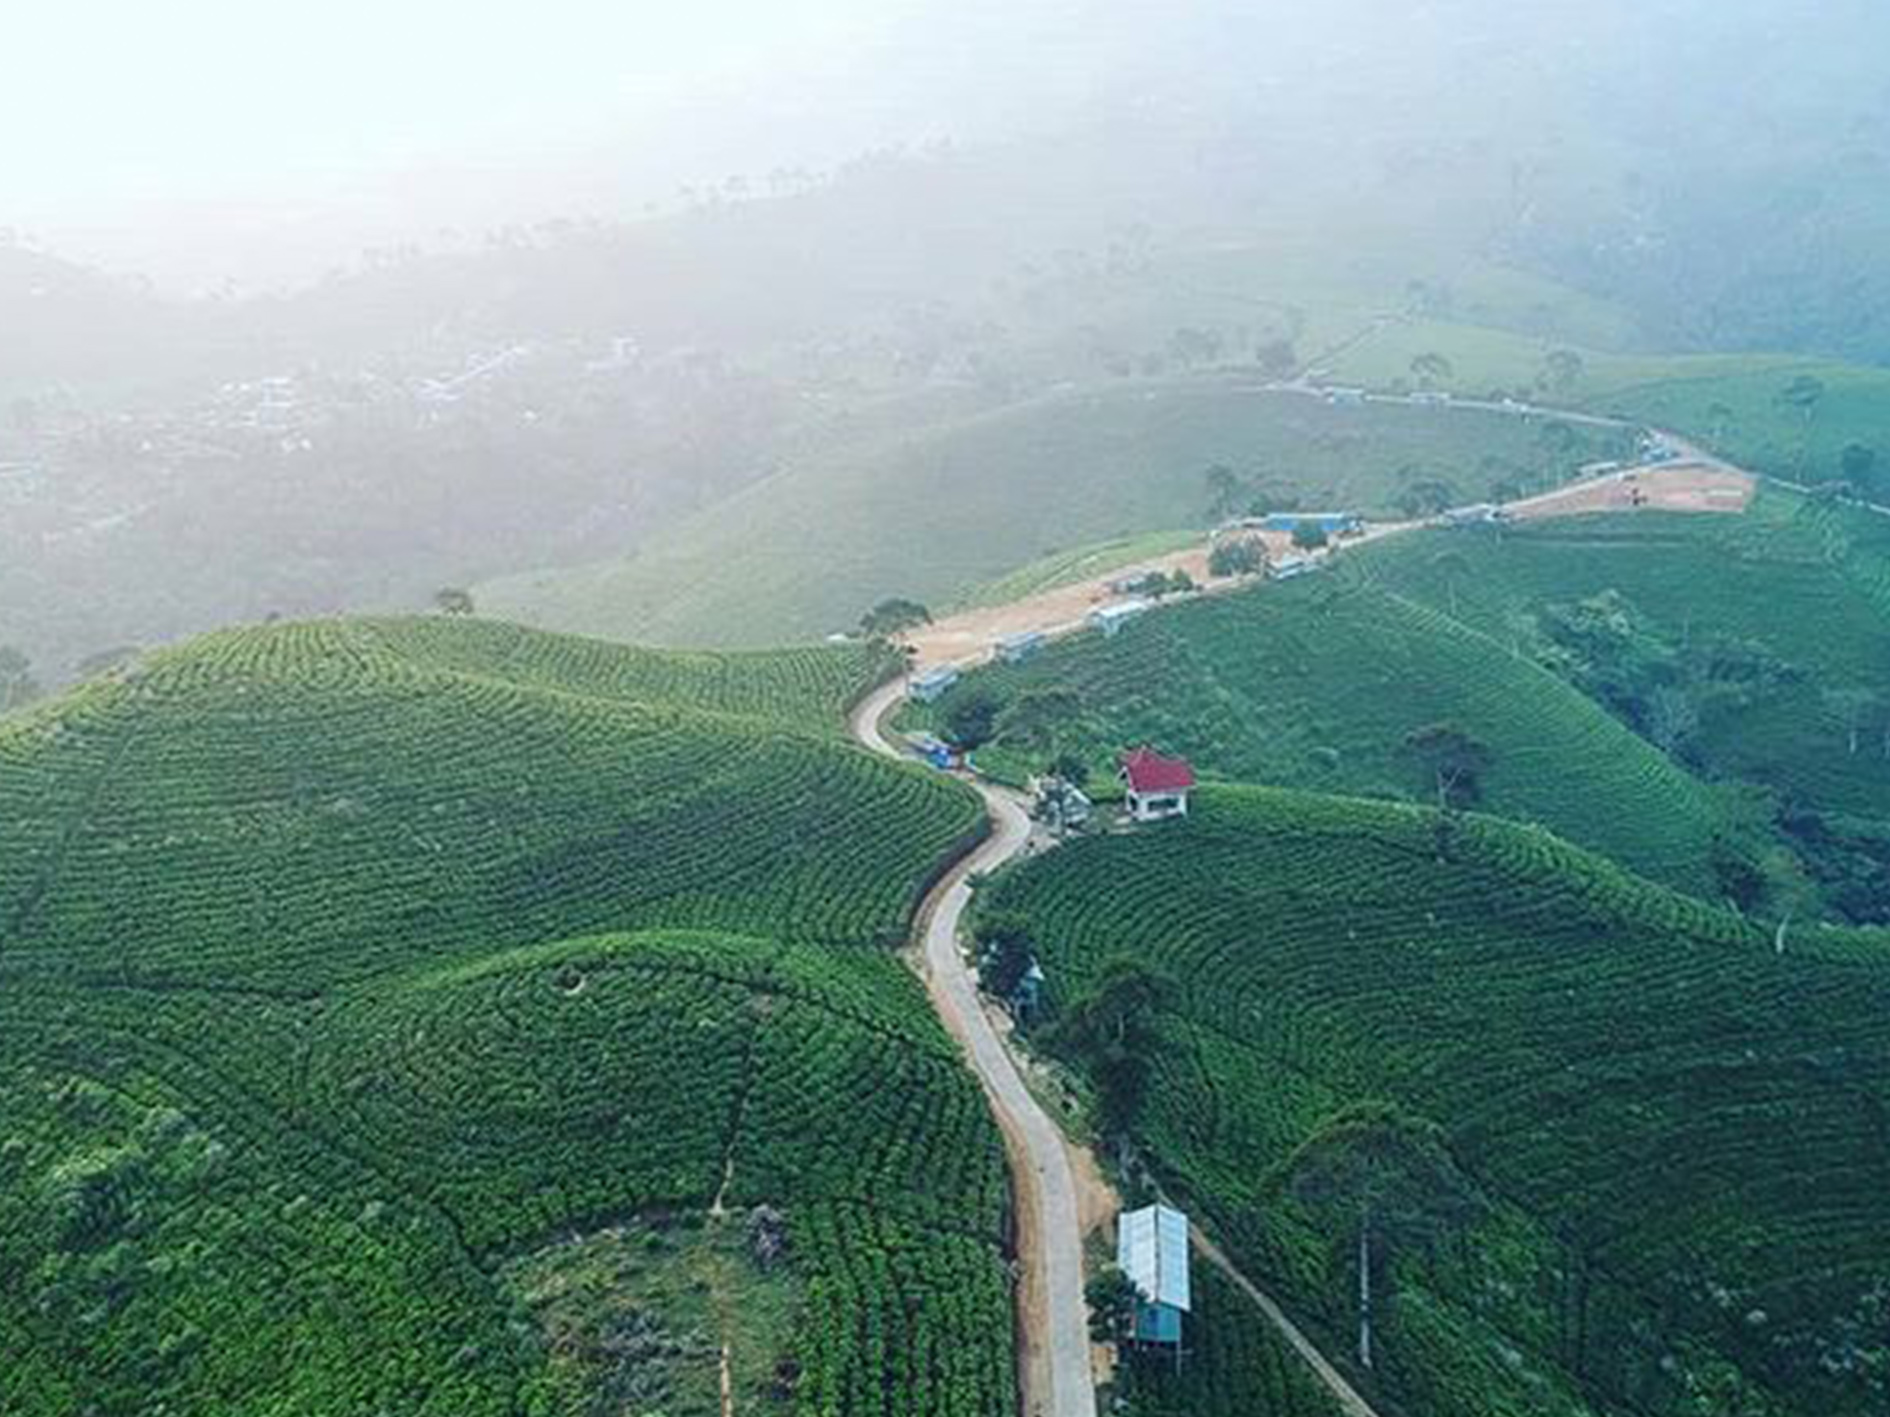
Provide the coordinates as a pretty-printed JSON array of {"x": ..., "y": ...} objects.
[
  {"x": 372, "y": 988},
  {"x": 957, "y": 503},
  {"x": 1556, "y": 1090}
]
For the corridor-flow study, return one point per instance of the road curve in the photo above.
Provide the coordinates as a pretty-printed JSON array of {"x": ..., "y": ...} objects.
[{"x": 1055, "y": 1361}]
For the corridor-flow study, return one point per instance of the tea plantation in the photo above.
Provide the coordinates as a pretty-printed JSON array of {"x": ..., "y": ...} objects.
[
  {"x": 1319, "y": 683},
  {"x": 344, "y": 965},
  {"x": 1757, "y": 646},
  {"x": 1613, "y": 1149},
  {"x": 948, "y": 507}
]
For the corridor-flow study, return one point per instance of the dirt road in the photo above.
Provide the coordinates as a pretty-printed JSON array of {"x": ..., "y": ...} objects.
[{"x": 1055, "y": 1319}]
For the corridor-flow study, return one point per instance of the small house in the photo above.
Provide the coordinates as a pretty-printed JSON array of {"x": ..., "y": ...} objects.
[
  {"x": 1111, "y": 618},
  {"x": 1331, "y": 523},
  {"x": 1152, "y": 1250},
  {"x": 927, "y": 687},
  {"x": 1156, "y": 787},
  {"x": 1341, "y": 397},
  {"x": 1015, "y": 649},
  {"x": 1288, "y": 567}
]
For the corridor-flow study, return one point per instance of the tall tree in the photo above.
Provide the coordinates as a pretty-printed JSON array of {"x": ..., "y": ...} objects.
[
  {"x": 453, "y": 600},
  {"x": 17, "y": 685},
  {"x": 892, "y": 617},
  {"x": 1456, "y": 760},
  {"x": 1431, "y": 369}
]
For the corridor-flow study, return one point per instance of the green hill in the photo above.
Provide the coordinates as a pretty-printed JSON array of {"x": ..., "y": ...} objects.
[
  {"x": 1756, "y": 648},
  {"x": 955, "y": 505},
  {"x": 1618, "y": 1151},
  {"x": 1319, "y": 683},
  {"x": 369, "y": 988}
]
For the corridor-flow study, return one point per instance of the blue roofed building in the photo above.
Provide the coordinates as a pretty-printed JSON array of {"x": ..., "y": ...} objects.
[
  {"x": 1331, "y": 523},
  {"x": 1152, "y": 1249}
]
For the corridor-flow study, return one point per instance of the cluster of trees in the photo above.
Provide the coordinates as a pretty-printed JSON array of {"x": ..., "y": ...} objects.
[
  {"x": 1237, "y": 556},
  {"x": 1157, "y": 584},
  {"x": 1658, "y": 686}
]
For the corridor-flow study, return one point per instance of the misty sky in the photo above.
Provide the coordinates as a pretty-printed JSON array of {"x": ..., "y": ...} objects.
[
  {"x": 190, "y": 140},
  {"x": 169, "y": 136}
]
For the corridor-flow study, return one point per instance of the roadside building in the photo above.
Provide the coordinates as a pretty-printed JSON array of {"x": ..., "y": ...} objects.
[
  {"x": 1015, "y": 649},
  {"x": 928, "y": 686},
  {"x": 1111, "y": 618},
  {"x": 1341, "y": 397},
  {"x": 1331, "y": 523},
  {"x": 1152, "y": 1250},
  {"x": 1289, "y": 567},
  {"x": 1156, "y": 787}
]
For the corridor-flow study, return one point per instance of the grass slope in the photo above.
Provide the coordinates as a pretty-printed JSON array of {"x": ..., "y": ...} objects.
[
  {"x": 1801, "y": 587},
  {"x": 342, "y": 965},
  {"x": 957, "y": 505},
  {"x": 1317, "y": 683},
  {"x": 1613, "y": 1142}
]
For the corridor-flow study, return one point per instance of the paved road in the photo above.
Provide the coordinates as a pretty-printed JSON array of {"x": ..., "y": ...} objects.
[{"x": 1055, "y": 1366}]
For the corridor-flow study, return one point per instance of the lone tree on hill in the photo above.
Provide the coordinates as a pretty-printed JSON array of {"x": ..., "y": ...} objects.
[
  {"x": 1858, "y": 464},
  {"x": 1431, "y": 369},
  {"x": 1224, "y": 490},
  {"x": 1561, "y": 368},
  {"x": 892, "y": 617},
  {"x": 453, "y": 600},
  {"x": 1456, "y": 760},
  {"x": 17, "y": 686},
  {"x": 1804, "y": 393}
]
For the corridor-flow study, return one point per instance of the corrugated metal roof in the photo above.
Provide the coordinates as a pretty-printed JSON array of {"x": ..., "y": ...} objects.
[{"x": 1152, "y": 1249}]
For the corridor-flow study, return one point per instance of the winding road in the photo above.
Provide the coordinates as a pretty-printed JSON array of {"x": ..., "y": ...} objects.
[
  {"x": 1054, "y": 1346},
  {"x": 1055, "y": 1330}
]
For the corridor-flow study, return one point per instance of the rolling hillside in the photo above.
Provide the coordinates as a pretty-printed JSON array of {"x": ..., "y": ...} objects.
[
  {"x": 1318, "y": 684},
  {"x": 1618, "y": 1152},
  {"x": 1758, "y": 646},
  {"x": 368, "y": 985},
  {"x": 953, "y": 506}
]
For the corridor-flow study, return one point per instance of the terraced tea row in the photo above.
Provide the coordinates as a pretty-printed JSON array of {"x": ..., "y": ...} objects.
[
  {"x": 1322, "y": 687},
  {"x": 1572, "y": 1032},
  {"x": 343, "y": 815},
  {"x": 312, "y": 1032}
]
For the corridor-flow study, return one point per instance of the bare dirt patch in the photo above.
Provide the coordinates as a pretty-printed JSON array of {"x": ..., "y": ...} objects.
[{"x": 1672, "y": 487}]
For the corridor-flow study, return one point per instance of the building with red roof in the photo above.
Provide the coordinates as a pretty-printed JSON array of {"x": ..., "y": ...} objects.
[{"x": 1157, "y": 786}]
